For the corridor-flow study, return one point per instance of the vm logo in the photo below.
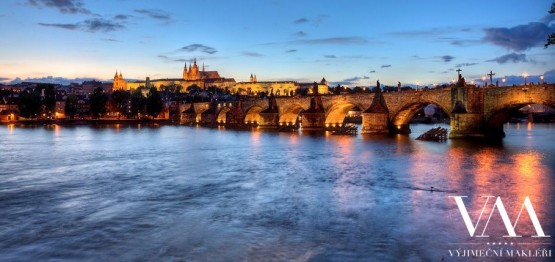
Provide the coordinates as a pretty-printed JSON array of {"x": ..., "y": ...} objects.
[{"x": 504, "y": 216}]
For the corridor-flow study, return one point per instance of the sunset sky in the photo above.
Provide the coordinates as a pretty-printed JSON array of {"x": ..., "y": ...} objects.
[{"x": 347, "y": 42}]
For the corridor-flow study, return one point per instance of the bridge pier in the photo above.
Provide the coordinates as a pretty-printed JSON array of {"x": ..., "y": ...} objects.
[
  {"x": 189, "y": 116},
  {"x": 467, "y": 125},
  {"x": 375, "y": 123},
  {"x": 313, "y": 121},
  {"x": 375, "y": 119},
  {"x": 269, "y": 120},
  {"x": 315, "y": 117},
  {"x": 403, "y": 129}
]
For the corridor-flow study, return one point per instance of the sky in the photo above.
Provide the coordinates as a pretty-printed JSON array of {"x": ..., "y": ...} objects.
[{"x": 347, "y": 42}]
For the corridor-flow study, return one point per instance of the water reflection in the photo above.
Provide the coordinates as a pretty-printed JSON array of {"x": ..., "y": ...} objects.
[{"x": 189, "y": 193}]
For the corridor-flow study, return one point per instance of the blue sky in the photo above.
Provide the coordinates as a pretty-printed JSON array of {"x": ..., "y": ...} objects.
[{"x": 348, "y": 42}]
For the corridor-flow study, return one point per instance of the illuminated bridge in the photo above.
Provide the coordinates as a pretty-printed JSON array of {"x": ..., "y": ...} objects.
[{"x": 474, "y": 112}]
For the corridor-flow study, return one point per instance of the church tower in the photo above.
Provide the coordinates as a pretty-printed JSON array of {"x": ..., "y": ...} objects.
[
  {"x": 119, "y": 82},
  {"x": 185, "y": 72}
]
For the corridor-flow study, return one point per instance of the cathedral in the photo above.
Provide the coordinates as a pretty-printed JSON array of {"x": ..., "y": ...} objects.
[
  {"x": 193, "y": 75},
  {"x": 119, "y": 82}
]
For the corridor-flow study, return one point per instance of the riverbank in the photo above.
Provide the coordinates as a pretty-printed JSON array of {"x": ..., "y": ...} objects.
[{"x": 89, "y": 122}]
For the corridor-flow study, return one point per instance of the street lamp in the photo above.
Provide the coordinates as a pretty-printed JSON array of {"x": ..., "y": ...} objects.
[
  {"x": 417, "y": 83},
  {"x": 525, "y": 75},
  {"x": 541, "y": 78},
  {"x": 504, "y": 80},
  {"x": 484, "y": 81}
]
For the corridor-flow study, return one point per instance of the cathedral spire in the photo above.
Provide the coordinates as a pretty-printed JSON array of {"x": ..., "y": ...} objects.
[{"x": 116, "y": 76}]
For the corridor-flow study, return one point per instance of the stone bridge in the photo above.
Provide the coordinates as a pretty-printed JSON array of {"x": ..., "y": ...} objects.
[{"x": 474, "y": 112}]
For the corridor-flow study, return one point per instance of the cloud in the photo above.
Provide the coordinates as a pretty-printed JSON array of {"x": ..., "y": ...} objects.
[
  {"x": 350, "y": 81},
  {"x": 316, "y": 21},
  {"x": 291, "y": 51},
  {"x": 63, "y": 26},
  {"x": 518, "y": 38},
  {"x": 51, "y": 80},
  {"x": 431, "y": 32},
  {"x": 349, "y": 40},
  {"x": 373, "y": 71},
  {"x": 64, "y": 6},
  {"x": 330, "y": 56},
  {"x": 465, "y": 42},
  {"x": 89, "y": 25},
  {"x": 512, "y": 57},
  {"x": 200, "y": 48},
  {"x": 155, "y": 14},
  {"x": 465, "y": 64},
  {"x": 252, "y": 54},
  {"x": 354, "y": 40},
  {"x": 98, "y": 24},
  {"x": 385, "y": 66},
  {"x": 447, "y": 58},
  {"x": 300, "y": 34},
  {"x": 3, "y": 79},
  {"x": 110, "y": 40},
  {"x": 122, "y": 17},
  {"x": 301, "y": 21}
]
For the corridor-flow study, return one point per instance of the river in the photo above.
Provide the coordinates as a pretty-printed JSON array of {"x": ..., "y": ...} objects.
[{"x": 175, "y": 193}]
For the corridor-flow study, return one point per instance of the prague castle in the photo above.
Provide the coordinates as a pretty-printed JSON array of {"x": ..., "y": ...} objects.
[{"x": 193, "y": 75}]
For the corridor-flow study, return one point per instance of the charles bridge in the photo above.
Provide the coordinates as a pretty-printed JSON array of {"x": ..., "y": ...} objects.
[{"x": 473, "y": 111}]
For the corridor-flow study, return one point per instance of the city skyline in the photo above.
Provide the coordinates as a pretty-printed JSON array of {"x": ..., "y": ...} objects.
[{"x": 356, "y": 43}]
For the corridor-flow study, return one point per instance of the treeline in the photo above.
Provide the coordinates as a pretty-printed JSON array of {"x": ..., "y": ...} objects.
[{"x": 41, "y": 103}]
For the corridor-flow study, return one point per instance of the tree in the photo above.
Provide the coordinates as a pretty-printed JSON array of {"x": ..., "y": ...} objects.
[
  {"x": 138, "y": 102},
  {"x": 71, "y": 106},
  {"x": 120, "y": 100},
  {"x": 49, "y": 101},
  {"x": 154, "y": 103},
  {"x": 29, "y": 104},
  {"x": 98, "y": 102},
  {"x": 551, "y": 37}
]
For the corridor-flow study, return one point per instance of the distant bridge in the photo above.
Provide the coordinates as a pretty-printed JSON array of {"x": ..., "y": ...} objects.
[{"x": 474, "y": 112}]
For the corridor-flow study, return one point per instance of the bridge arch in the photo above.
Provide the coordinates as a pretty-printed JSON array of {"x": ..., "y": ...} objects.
[
  {"x": 335, "y": 114},
  {"x": 400, "y": 119},
  {"x": 252, "y": 115},
  {"x": 500, "y": 115},
  {"x": 199, "y": 112},
  {"x": 290, "y": 113},
  {"x": 221, "y": 116}
]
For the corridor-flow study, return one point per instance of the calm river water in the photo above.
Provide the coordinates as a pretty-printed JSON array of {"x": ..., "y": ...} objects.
[{"x": 177, "y": 193}]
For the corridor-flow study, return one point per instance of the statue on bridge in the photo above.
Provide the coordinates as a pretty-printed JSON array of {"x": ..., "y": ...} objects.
[
  {"x": 377, "y": 89},
  {"x": 461, "y": 82}
]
